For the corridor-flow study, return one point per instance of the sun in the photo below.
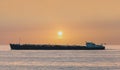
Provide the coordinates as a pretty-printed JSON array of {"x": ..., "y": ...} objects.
[{"x": 60, "y": 33}]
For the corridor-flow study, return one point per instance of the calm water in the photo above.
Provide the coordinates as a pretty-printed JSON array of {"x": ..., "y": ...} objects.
[{"x": 60, "y": 59}]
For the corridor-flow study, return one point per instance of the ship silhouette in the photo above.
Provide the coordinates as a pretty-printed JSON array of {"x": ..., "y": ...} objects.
[{"x": 89, "y": 46}]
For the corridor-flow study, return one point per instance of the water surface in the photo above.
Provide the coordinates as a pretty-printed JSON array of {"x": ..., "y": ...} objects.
[{"x": 60, "y": 59}]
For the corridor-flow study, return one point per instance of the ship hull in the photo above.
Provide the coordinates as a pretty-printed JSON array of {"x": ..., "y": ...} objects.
[{"x": 52, "y": 47}]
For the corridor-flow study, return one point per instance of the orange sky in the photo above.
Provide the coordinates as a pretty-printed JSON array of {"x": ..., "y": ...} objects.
[{"x": 38, "y": 21}]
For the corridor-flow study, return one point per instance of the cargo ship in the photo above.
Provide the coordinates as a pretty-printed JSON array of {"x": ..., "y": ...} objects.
[{"x": 88, "y": 46}]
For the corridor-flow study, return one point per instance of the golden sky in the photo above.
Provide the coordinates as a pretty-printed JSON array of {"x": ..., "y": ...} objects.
[{"x": 38, "y": 21}]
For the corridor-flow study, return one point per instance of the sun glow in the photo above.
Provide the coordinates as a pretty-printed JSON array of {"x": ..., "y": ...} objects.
[{"x": 60, "y": 34}]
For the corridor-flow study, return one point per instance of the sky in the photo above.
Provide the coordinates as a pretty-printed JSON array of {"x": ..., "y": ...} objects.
[{"x": 39, "y": 21}]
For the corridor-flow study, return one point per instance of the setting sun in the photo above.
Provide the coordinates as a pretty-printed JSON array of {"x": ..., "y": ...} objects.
[{"x": 60, "y": 33}]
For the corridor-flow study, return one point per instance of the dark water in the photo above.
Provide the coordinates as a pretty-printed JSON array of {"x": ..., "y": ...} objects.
[{"x": 60, "y": 59}]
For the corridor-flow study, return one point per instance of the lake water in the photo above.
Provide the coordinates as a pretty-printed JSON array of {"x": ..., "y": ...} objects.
[{"x": 60, "y": 59}]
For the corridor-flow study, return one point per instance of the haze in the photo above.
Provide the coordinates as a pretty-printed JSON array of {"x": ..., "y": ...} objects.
[{"x": 38, "y": 21}]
